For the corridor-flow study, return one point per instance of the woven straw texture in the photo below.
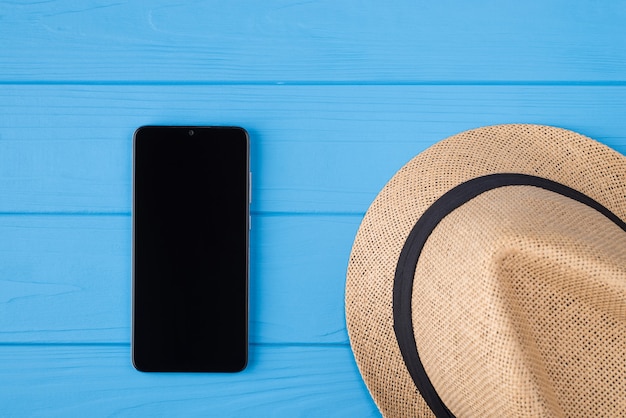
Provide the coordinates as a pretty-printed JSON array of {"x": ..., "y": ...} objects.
[{"x": 519, "y": 299}]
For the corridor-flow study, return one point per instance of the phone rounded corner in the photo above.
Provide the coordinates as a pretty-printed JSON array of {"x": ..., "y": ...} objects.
[
  {"x": 242, "y": 367},
  {"x": 136, "y": 365},
  {"x": 138, "y": 131},
  {"x": 244, "y": 132}
]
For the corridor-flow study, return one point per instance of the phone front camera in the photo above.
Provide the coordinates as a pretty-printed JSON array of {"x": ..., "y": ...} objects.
[{"x": 191, "y": 132}]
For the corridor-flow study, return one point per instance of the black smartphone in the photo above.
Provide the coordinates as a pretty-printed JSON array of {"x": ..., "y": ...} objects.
[{"x": 191, "y": 221}]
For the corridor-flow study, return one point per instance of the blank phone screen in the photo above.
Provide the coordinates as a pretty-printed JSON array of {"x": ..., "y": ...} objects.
[{"x": 190, "y": 249}]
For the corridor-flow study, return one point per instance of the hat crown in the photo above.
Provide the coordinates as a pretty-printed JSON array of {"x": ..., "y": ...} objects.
[{"x": 521, "y": 279}]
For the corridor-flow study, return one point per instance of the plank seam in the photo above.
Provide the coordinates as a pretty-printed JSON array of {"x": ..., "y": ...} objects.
[{"x": 303, "y": 83}]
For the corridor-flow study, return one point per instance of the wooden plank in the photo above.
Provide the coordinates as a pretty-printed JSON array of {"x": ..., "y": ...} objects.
[
  {"x": 68, "y": 278},
  {"x": 314, "y": 148},
  {"x": 65, "y": 278},
  {"x": 80, "y": 380},
  {"x": 312, "y": 42}
]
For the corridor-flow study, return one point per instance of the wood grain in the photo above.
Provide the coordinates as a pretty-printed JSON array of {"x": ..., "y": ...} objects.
[
  {"x": 314, "y": 148},
  {"x": 288, "y": 41},
  {"x": 68, "y": 278},
  {"x": 93, "y": 380}
]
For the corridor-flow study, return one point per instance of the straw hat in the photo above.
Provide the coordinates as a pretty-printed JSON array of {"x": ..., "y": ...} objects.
[{"x": 488, "y": 278}]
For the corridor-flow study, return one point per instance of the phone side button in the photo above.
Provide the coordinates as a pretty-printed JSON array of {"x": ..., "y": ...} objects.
[{"x": 250, "y": 222}]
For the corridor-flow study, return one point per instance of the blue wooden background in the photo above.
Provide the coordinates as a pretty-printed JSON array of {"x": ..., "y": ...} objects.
[{"x": 336, "y": 95}]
